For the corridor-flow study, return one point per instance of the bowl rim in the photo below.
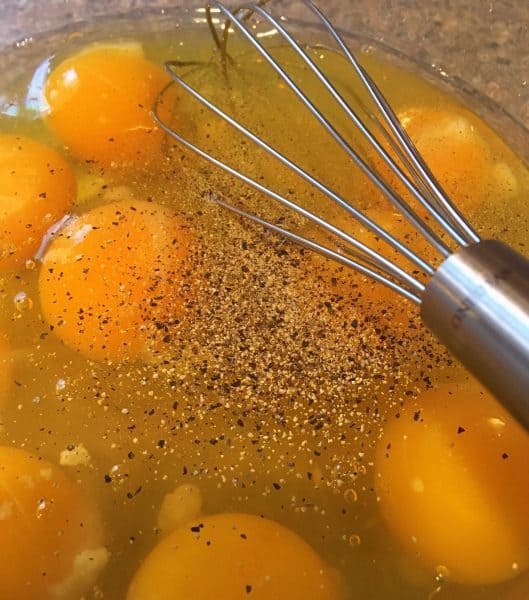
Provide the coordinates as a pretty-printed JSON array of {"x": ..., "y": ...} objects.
[{"x": 473, "y": 99}]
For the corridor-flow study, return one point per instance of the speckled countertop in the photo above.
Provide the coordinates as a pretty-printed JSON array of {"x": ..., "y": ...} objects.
[{"x": 484, "y": 42}]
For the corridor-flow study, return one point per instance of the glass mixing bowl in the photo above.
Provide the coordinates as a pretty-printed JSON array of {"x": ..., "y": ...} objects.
[
  {"x": 482, "y": 43},
  {"x": 479, "y": 49}
]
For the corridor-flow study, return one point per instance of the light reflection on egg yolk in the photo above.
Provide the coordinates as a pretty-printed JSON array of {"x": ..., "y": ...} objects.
[
  {"x": 99, "y": 105},
  {"x": 453, "y": 484},
  {"x": 50, "y": 537},
  {"x": 114, "y": 277},
  {"x": 37, "y": 187},
  {"x": 233, "y": 556}
]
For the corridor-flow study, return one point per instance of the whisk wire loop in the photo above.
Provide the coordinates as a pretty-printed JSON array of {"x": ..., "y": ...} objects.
[
  {"x": 420, "y": 166},
  {"x": 476, "y": 301},
  {"x": 372, "y": 175},
  {"x": 394, "y": 198},
  {"x": 359, "y": 249},
  {"x": 419, "y": 186}
]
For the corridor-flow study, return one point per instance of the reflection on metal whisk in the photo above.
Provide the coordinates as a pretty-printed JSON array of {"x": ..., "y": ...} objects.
[{"x": 476, "y": 302}]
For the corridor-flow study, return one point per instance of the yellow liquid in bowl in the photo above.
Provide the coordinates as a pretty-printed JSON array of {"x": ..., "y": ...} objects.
[{"x": 157, "y": 342}]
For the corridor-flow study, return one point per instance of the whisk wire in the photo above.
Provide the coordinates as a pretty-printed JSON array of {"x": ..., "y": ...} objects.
[
  {"x": 325, "y": 251},
  {"x": 359, "y": 249},
  {"x": 422, "y": 169},
  {"x": 476, "y": 301},
  {"x": 421, "y": 173},
  {"x": 373, "y": 262},
  {"x": 397, "y": 150},
  {"x": 222, "y": 42},
  {"x": 372, "y": 175}
]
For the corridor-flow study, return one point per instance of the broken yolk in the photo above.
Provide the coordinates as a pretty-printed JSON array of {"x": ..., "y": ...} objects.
[
  {"x": 234, "y": 556},
  {"x": 453, "y": 485},
  {"x": 37, "y": 187},
  {"x": 113, "y": 280},
  {"x": 50, "y": 537},
  {"x": 99, "y": 105}
]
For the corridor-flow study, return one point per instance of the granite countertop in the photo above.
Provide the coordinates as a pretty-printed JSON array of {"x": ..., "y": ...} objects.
[{"x": 486, "y": 43}]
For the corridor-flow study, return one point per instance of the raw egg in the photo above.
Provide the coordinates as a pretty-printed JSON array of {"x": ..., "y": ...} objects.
[
  {"x": 453, "y": 485},
  {"x": 453, "y": 148},
  {"x": 234, "y": 556},
  {"x": 114, "y": 279},
  {"x": 457, "y": 154},
  {"x": 6, "y": 368},
  {"x": 50, "y": 535},
  {"x": 99, "y": 103},
  {"x": 37, "y": 187}
]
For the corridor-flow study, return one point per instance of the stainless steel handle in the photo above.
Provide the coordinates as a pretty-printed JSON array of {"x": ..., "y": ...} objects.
[{"x": 477, "y": 304}]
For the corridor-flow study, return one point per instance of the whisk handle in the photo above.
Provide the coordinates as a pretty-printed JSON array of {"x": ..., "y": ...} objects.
[{"x": 477, "y": 304}]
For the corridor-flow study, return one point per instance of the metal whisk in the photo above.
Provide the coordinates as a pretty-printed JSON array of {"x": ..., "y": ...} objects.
[{"x": 476, "y": 302}]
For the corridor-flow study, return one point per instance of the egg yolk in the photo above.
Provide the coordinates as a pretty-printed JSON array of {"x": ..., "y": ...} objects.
[
  {"x": 453, "y": 485},
  {"x": 99, "y": 105},
  {"x": 6, "y": 368},
  {"x": 518, "y": 590},
  {"x": 233, "y": 556},
  {"x": 37, "y": 187},
  {"x": 50, "y": 536},
  {"x": 458, "y": 156},
  {"x": 114, "y": 279}
]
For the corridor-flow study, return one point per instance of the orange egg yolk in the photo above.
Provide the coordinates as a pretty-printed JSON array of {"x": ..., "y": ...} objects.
[
  {"x": 50, "y": 537},
  {"x": 37, "y": 187},
  {"x": 6, "y": 368},
  {"x": 458, "y": 156},
  {"x": 453, "y": 485},
  {"x": 114, "y": 278},
  {"x": 234, "y": 556},
  {"x": 99, "y": 105}
]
